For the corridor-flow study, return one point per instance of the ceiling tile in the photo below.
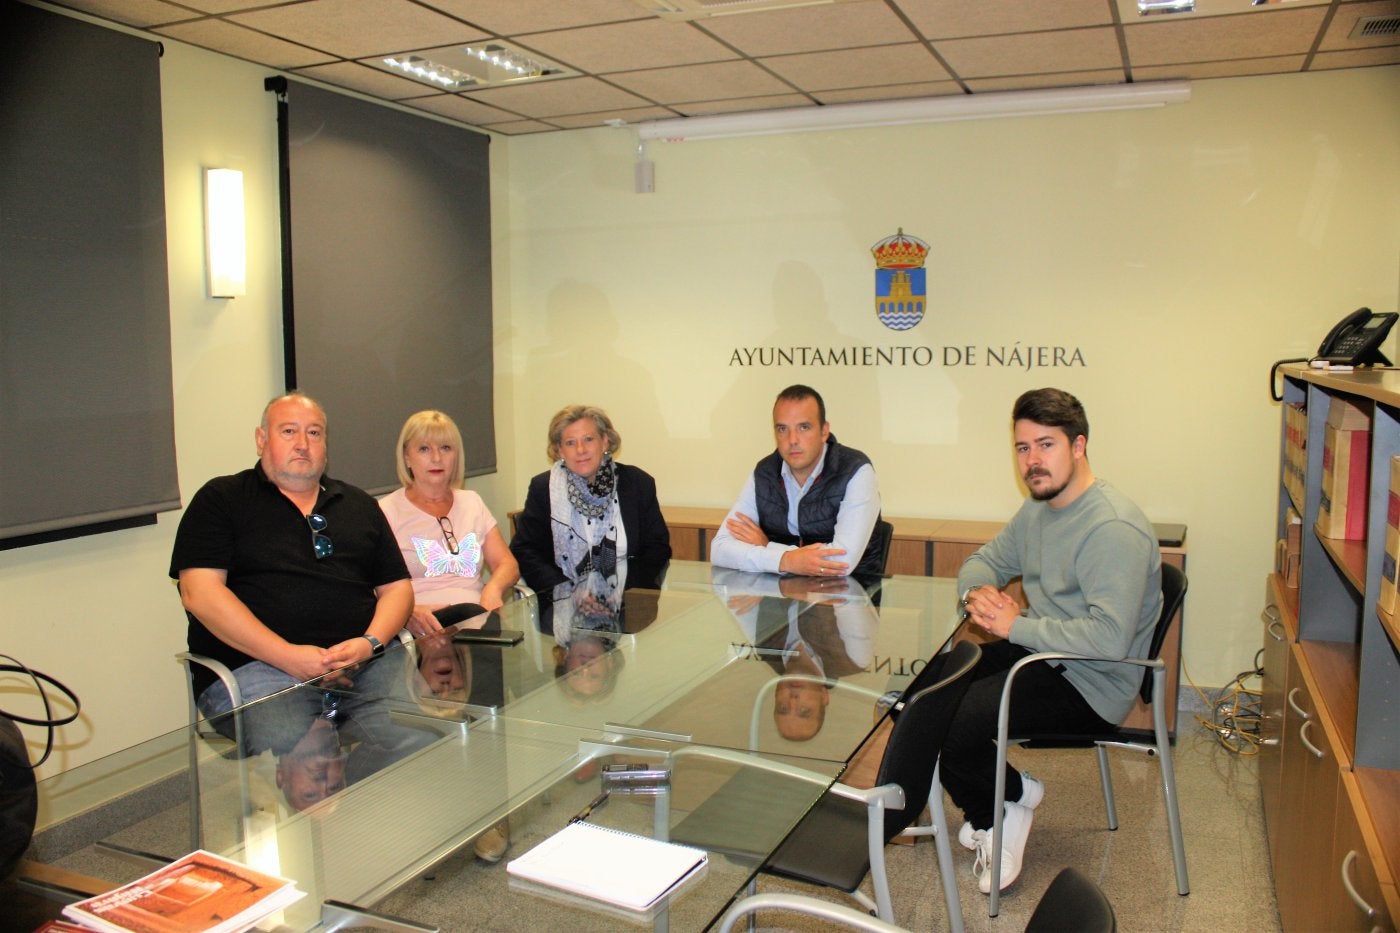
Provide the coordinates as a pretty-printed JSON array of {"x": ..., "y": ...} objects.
[
  {"x": 557, "y": 98},
  {"x": 519, "y": 127},
  {"x": 512, "y": 17},
  {"x": 810, "y": 28},
  {"x": 1067, "y": 50},
  {"x": 1028, "y": 82},
  {"x": 945, "y": 19},
  {"x": 638, "y": 115},
  {"x": 140, "y": 13},
  {"x": 629, "y": 46},
  {"x": 456, "y": 107},
  {"x": 1215, "y": 38},
  {"x": 364, "y": 79},
  {"x": 744, "y": 104},
  {"x": 1361, "y": 58},
  {"x": 359, "y": 28},
  {"x": 890, "y": 64},
  {"x": 1338, "y": 31},
  {"x": 223, "y": 6},
  {"x": 243, "y": 43},
  {"x": 1229, "y": 69},
  {"x": 701, "y": 82},
  {"x": 890, "y": 92}
]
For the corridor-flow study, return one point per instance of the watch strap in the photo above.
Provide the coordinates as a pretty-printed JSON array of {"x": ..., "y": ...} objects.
[{"x": 376, "y": 647}]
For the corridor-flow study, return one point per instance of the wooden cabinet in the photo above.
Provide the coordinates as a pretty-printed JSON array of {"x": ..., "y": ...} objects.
[
  {"x": 1280, "y": 630},
  {"x": 1358, "y": 901},
  {"x": 1331, "y": 782}
]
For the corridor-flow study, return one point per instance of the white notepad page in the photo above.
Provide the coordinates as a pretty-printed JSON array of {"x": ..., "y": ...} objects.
[{"x": 615, "y": 867}]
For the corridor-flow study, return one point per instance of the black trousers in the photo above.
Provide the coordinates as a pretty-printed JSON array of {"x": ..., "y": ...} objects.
[{"x": 1042, "y": 701}]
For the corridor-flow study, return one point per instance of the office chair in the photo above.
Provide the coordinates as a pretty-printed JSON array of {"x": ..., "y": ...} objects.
[
  {"x": 189, "y": 659},
  {"x": 1072, "y": 904},
  {"x": 1153, "y": 692},
  {"x": 882, "y": 535},
  {"x": 842, "y": 838}
]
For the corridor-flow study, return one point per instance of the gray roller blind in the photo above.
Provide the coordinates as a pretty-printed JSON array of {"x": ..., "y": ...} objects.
[
  {"x": 389, "y": 263},
  {"x": 86, "y": 413}
]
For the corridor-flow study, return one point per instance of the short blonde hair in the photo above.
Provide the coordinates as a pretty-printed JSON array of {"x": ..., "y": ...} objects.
[
  {"x": 571, "y": 413},
  {"x": 434, "y": 427}
]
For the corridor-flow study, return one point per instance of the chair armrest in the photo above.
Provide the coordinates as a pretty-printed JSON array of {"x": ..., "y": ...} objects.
[
  {"x": 522, "y": 591},
  {"x": 218, "y": 667},
  {"x": 805, "y": 904},
  {"x": 890, "y": 795}
]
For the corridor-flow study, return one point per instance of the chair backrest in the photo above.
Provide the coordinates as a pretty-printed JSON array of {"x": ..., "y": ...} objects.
[
  {"x": 1072, "y": 902},
  {"x": 921, "y": 722},
  {"x": 882, "y": 535},
  {"x": 1173, "y": 592}
]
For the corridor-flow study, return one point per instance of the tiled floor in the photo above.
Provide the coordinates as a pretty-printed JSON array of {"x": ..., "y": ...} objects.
[{"x": 1226, "y": 849}]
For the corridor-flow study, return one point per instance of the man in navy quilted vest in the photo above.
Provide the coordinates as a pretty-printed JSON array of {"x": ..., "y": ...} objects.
[{"x": 809, "y": 507}]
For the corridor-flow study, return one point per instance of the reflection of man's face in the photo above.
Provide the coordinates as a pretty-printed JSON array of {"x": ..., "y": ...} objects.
[
  {"x": 314, "y": 769},
  {"x": 800, "y": 708},
  {"x": 441, "y": 671}
]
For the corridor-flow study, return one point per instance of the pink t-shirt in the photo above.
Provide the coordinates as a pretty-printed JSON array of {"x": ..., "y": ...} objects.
[{"x": 439, "y": 576}]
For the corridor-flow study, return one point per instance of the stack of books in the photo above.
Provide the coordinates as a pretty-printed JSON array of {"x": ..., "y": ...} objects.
[{"x": 200, "y": 893}]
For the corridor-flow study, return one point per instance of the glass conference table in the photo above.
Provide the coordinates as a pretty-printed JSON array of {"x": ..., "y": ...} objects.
[{"x": 369, "y": 788}]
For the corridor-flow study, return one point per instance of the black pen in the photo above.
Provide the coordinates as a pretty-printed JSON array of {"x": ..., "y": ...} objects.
[{"x": 587, "y": 811}]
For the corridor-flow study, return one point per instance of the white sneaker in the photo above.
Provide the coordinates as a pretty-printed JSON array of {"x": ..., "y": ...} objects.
[
  {"x": 1032, "y": 793},
  {"x": 1015, "y": 830}
]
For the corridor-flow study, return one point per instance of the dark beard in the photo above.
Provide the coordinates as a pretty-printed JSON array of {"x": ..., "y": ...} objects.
[{"x": 1046, "y": 494}]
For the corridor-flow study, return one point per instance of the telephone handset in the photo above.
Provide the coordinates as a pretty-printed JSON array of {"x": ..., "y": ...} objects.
[{"x": 1357, "y": 338}]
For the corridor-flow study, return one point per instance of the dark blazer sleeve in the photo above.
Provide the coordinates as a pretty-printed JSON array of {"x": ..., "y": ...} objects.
[
  {"x": 648, "y": 538},
  {"x": 533, "y": 541}
]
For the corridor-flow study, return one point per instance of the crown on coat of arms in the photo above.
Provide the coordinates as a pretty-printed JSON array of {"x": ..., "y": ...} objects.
[{"x": 900, "y": 252}]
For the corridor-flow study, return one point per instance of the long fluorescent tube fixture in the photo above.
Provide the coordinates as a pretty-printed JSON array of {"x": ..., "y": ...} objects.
[{"x": 1092, "y": 99}]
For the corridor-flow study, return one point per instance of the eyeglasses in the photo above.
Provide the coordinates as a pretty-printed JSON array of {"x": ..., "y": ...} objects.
[
  {"x": 319, "y": 542},
  {"x": 445, "y": 524}
]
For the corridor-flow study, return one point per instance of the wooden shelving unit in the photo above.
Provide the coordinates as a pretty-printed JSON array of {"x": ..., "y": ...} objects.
[{"x": 1330, "y": 767}]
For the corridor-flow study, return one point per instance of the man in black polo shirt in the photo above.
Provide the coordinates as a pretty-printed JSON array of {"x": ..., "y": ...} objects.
[
  {"x": 809, "y": 507},
  {"x": 287, "y": 575}
]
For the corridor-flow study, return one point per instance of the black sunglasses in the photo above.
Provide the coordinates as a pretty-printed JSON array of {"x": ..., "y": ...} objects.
[{"x": 319, "y": 542}]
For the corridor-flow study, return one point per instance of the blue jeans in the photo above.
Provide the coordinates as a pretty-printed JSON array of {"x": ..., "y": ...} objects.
[{"x": 276, "y": 712}]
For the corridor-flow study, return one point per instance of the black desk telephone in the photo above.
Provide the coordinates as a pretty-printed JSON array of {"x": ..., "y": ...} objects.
[{"x": 1357, "y": 339}]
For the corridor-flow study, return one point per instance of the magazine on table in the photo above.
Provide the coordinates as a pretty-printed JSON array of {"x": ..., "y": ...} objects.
[{"x": 200, "y": 893}]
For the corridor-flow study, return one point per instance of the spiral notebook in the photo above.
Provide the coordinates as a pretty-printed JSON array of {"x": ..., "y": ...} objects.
[{"x": 609, "y": 865}]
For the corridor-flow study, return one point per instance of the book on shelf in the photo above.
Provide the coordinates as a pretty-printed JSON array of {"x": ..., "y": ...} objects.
[
  {"x": 609, "y": 865},
  {"x": 200, "y": 893}
]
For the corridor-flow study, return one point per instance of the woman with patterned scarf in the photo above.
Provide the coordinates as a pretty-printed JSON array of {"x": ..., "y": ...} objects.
[{"x": 588, "y": 513}]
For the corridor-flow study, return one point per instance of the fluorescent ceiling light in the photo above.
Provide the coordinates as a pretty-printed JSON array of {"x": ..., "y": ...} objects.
[
  {"x": 471, "y": 66},
  {"x": 1152, "y": 7},
  {"x": 922, "y": 110}
]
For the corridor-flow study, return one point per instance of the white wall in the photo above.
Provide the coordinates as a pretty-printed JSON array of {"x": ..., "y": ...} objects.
[
  {"x": 1181, "y": 250},
  {"x": 1244, "y": 222}
]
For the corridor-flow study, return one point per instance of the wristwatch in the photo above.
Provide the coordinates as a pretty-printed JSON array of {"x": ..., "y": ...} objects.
[
  {"x": 376, "y": 647},
  {"x": 967, "y": 593}
]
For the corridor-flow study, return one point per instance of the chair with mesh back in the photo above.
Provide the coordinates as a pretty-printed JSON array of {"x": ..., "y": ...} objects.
[{"x": 1153, "y": 691}]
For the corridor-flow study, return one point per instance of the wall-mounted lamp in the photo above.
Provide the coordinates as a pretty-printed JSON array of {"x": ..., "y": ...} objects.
[{"x": 224, "y": 234}]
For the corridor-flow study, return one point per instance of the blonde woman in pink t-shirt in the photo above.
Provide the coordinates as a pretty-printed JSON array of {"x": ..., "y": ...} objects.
[{"x": 454, "y": 551}]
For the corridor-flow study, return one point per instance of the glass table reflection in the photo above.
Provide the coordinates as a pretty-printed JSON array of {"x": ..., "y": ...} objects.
[{"x": 371, "y": 798}]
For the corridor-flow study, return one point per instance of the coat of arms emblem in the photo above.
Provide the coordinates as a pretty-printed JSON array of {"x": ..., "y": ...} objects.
[{"x": 900, "y": 289}]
